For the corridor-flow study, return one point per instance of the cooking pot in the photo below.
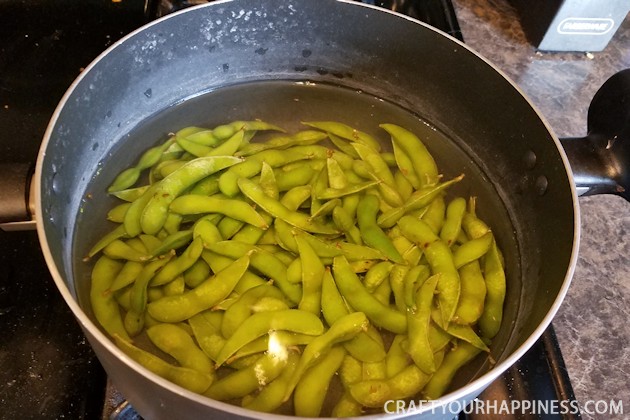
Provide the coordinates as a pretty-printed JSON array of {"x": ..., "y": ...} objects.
[{"x": 325, "y": 60}]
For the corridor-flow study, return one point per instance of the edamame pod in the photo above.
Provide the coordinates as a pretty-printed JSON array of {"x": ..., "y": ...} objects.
[
  {"x": 175, "y": 341},
  {"x": 343, "y": 329},
  {"x": 190, "y": 379},
  {"x": 244, "y": 381},
  {"x": 236, "y": 209},
  {"x": 276, "y": 209},
  {"x": 262, "y": 322},
  {"x": 371, "y": 233},
  {"x": 453, "y": 360},
  {"x": 155, "y": 212},
  {"x": 422, "y": 161},
  {"x": 209, "y": 293},
  {"x": 311, "y": 390},
  {"x": 104, "y": 305},
  {"x": 361, "y": 300}
]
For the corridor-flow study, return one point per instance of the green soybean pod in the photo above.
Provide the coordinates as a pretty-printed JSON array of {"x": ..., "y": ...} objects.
[
  {"x": 494, "y": 273},
  {"x": 127, "y": 275},
  {"x": 459, "y": 356},
  {"x": 397, "y": 284},
  {"x": 405, "y": 166},
  {"x": 343, "y": 145},
  {"x": 376, "y": 392},
  {"x": 229, "y": 146},
  {"x": 472, "y": 250},
  {"x": 206, "y": 330},
  {"x": 440, "y": 260},
  {"x": 333, "y": 304},
  {"x": 207, "y": 186},
  {"x": 350, "y": 372},
  {"x": 287, "y": 177},
  {"x": 207, "y": 230},
  {"x": 336, "y": 176},
  {"x": 268, "y": 182},
  {"x": 418, "y": 321},
  {"x": 177, "y": 286},
  {"x": 229, "y": 226},
  {"x": 255, "y": 193},
  {"x": 102, "y": 299},
  {"x": 361, "y": 300},
  {"x": 312, "y": 277},
  {"x": 120, "y": 250},
  {"x": 473, "y": 294},
  {"x": 375, "y": 162},
  {"x": 218, "y": 262},
  {"x": 200, "y": 136},
  {"x": 423, "y": 163},
  {"x": 453, "y": 222},
  {"x": 209, "y": 293},
  {"x": 330, "y": 193},
  {"x": 312, "y": 388},
  {"x": 403, "y": 186},
  {"x": 129, "y": 176},
  {"x": 265, "y": 262},
  {"x": 192, "y": 147},
  {"x": 434, "y": 216},
  {"x": 341, "y": 330},
  {"x": 170, "y": 243},
  {"x": 347, "y": 406},
  {"x": 139, "y": 288},
  {"x": 261, "y": 323},
  {"x": 417, "y": 231},
  {"x": 397, "y": 358},
  {"x": 242, "y": 308},
  {"x": 155, "y": 212},
  {"x": 418, "y": 199},
  {"x": 130, "y": 194},
  {"x": 383, "y": 293},
  {"x": 346, "y": 224},
  {"x": 117, "y": 214},
  {"x": 346, "y": 132},
  {"x": 371, "y": 233},
  {"x": 187, "y": 378},
  {"x": 244, "y": 381},
  {"x": 270, "y": 396},
  {"x": 175, "y": 341},
  {"x": 365, "y": 346},
  {"x": 235, "y": 209},
  {"x": 179, "y": 264},
  {"x": 374, "y": 370},
  {"x": 301, "y": 138},
  {"x": 414, "y": 279},
  {"x": 377, "y": 274},
  {"x": 467, "y": 334},
  {"x": 276, "y": 341}
]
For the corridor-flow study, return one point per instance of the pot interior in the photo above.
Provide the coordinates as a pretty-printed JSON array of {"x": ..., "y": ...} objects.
[{"x": 286, "y": 103}]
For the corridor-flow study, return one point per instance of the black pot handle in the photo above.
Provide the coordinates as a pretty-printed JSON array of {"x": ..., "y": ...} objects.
[
  {"x": 16, "y": 211},
  {"x": 601, "y": 161}
]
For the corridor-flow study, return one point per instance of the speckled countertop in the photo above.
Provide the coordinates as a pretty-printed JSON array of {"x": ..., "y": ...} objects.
[{"x": 592, "y": 325}]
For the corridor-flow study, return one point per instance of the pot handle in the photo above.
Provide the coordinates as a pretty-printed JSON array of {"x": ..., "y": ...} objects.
[
  {"x": 16, "y": 206},
  {"x": 601, "y": 161}
]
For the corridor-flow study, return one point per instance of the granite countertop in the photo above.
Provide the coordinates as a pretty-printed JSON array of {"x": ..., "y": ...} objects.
[{"x": 592, "y": 325}]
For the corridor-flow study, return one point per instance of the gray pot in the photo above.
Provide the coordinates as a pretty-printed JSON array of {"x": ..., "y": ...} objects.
[{"x": 247, "y": 59}]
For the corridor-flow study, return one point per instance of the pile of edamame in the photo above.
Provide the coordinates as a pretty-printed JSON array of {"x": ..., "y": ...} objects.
[{"x": 263, "y": 271}]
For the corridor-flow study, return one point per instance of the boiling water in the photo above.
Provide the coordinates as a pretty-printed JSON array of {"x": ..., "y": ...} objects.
[{"x": 286, "y": 104}]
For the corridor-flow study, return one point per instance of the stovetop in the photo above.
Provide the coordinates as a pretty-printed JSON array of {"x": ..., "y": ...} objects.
[{"x": 47, "y": 369}]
